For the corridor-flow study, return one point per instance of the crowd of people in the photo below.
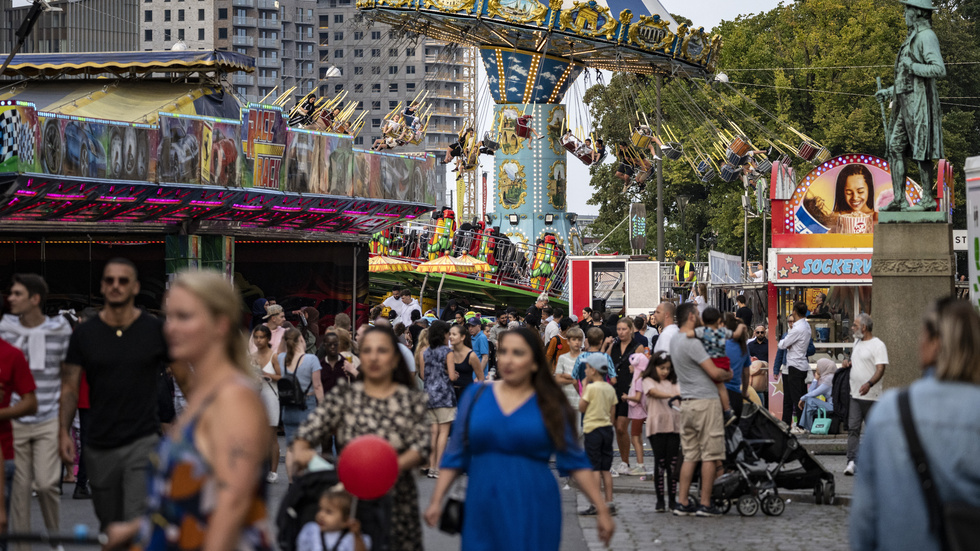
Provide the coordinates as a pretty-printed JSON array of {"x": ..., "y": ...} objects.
[{"x": 177, "y": 418}]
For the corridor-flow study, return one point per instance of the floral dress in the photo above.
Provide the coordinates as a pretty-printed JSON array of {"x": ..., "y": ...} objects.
[
  {"x": 348, "y": 412},
  {"x": 437, "y": 383}
]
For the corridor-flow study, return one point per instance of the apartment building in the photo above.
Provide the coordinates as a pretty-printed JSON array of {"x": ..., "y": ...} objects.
[{"x": 89, "y": 26}]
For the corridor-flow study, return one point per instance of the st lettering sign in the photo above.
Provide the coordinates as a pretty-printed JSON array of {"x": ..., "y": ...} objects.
[{"x": 820, "y": 265}]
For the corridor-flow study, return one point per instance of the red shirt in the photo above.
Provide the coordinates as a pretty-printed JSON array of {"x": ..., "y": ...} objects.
[{"x": 15, "y": 377}]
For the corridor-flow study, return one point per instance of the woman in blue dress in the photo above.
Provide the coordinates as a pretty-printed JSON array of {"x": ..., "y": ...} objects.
[{"x": 515, "y": 425}]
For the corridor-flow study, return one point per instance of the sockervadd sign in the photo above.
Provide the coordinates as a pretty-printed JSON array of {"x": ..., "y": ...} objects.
[{"x": 821, "y": 265}]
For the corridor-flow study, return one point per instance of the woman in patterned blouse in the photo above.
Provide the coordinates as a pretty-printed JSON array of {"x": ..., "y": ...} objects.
[{"x": 386, "y": 404}]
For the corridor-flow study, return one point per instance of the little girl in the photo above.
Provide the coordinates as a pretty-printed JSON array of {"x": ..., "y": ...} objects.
[
  {"x": 333, "y": 529},
  {"x": 637, "y": 412},
  {"x": 659, "y": 385}
]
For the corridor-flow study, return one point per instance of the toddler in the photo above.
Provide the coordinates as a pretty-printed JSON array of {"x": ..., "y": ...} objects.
[
  {"x": 333, "y": 529},
  {"x": 714, "y": 336},
  {"x": 637, "y": 411}
]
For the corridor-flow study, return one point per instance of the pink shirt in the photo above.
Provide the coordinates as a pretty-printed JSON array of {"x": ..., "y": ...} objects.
[
  {"x": 638, "y": 410},
  {"x": 661, "y": 418}
]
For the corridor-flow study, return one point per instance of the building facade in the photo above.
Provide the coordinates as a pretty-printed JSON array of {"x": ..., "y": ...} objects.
[{"x": 90, "y": 26}]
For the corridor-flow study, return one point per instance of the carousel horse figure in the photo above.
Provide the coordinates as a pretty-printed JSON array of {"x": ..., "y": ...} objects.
[
  {"x": 544, "y": 262},
  {"x": 441, "y": 240}
]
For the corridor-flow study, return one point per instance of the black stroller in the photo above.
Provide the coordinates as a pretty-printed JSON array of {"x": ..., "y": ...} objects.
[{"x": 749, "y": 481}]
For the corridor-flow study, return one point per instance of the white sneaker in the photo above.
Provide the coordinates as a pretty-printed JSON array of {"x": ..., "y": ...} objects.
[
  {"x": 796, "y": 430},
  {"x": 638, "y": 470},
  {"x": 271, "y": 478},
  {"x": 849, "y": 470},
  {"x": 623, "y": 469}
]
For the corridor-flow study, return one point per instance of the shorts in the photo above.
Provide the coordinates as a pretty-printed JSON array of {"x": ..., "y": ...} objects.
[
  {"x": 636, "y": 427},
  {"x": 722, "y": 363},
  {"x": 292, "y": 418},
  {"x": 599, "y": 448},
  {"x": 625, "y": 169},
  {"x": 441, "y": 415},
  {"x": 702, "y": 430},
  {"x": 622, "y": 409},
  {"x": 456, "y": 150}
]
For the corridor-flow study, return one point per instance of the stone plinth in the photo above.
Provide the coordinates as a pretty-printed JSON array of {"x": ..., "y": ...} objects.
[{"x": 912, "y": 265}]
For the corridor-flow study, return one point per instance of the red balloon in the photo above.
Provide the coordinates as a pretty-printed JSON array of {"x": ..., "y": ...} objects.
[{"x": 368, "y": 467}]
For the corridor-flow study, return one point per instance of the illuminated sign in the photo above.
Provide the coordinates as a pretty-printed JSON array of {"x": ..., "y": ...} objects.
[{"x": 820, "y": 265}]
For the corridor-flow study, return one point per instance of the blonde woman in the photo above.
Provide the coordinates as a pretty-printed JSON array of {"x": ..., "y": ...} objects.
[
  {"x": 214, "y": 459},
  {"x": 306, "y": 368}
]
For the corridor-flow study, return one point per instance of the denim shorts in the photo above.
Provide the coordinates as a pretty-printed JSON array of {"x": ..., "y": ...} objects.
[{"x": 292, "y": 418}]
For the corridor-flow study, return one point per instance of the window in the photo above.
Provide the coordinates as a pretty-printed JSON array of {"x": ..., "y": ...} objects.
[
  {"x": 147, "y": 35},
  {"x": 375, "y": 123},
  {"x": 375, "y": 105},
  {"x": 375, "y": 70},
  {"x": 200, "y": 34},
  {"x": 166, "y": 15},
  {"x": 358, "y": 52},
  {"x": 358, "y": 70},
  {"x": 376, "y": 87},
  {"x": 338, "y": 18},
  {"x": 359, "y": 140},
  {"x": 392, "y": 104},
  {"x": 338, "y": 88},
  {"x": 200, "y": 15},
  {"x": 409, "y": 52},
  {"x": 180, "y": 34},
  {"x": 358, "y": 88},
  {"x": 409, "y": 86},
  {"x": 338, "y": 36},
  {"x": 166, "y": 35},
  {"x": 148, "y": 16},
  {"x": 222, "y": 13},
  {"x": 410, "y": 69},
  {"x": 338, "y": 54},
  {"x": 360, "y": 106},
  {"x": 180, "y": 15},
  {"x": 375, "y": 52},
  {"x": 358, "y": 35},
  {"x": 393, "y": 69},
  {"x": 393, "y": 88},
  {"x": 393, "y": 52},
  {"x": 375, "y": 35},
  {"x": 223, "y": 33}
]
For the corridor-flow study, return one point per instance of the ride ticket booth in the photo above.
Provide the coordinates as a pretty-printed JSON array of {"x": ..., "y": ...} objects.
[{"x": 613, "y": 284}]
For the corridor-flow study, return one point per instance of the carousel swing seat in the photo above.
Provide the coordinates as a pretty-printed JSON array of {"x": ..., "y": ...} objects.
[{"x": 673, "y": 151}]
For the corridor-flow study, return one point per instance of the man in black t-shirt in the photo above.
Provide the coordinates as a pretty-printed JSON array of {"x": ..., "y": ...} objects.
[
  {"x": 743, "y": 313},
  {"x": 123, "y": 352}
]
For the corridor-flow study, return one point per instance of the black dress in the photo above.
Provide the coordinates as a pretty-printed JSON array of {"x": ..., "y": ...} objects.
[{"x": 465, "y": 373}]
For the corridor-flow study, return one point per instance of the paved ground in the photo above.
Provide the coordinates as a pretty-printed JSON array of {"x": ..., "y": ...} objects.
[{"x": 803, "y": 526}]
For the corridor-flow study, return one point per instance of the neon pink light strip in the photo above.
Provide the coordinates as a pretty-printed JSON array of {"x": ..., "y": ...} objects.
[
  {"x": 313, "y": 209},
  {"x": 246, "y": 207},
  {"x": 26, "y": 192},
  {"x": 207, "y": 203},
  {"x": 115, "y": 199},
  {"x": 64, "y": 196},
  {"x": 287, "y": 209},
  {"x": 163, "y": 201},
  {"x": 354, "y": 212}
]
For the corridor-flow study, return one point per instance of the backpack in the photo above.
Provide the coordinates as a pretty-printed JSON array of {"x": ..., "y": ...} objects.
[{"x": 291, "y": 394}]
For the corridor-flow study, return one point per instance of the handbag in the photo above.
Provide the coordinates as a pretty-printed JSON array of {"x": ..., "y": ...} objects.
[
  {"x": 955, "y": 524},
  {"x": 451, "y": 519},
  {"x": 821, "y": 423}
]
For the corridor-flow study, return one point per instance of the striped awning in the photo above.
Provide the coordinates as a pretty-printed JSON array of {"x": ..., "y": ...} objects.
[{"x": 184, "y": 61}]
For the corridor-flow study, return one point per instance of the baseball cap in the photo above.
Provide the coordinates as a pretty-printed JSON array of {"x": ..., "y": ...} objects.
[
  {"x": 473, "y": 321},
  {"x": 598, "y": 362},
  {"x": 272, "y": 311}
]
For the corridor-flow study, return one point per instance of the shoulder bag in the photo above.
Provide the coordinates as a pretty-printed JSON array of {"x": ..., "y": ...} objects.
[
  {"x": 955, "y": 524},
  {"x": 451, "y": 520}
]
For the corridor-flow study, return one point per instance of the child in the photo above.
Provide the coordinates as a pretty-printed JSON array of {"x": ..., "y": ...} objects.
[
  {"x": 598, "y": 403},
  {"x": 566, "y": 365},
  {"x": 595, "y": 338},
  {"x": 663, "y": 424},
  {"x": 637, "y": 411},
  {"x": 714, "y": 337},
  {"x": 333, "y": 529}
]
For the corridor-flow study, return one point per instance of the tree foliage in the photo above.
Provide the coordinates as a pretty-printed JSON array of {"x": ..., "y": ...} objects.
[{"x": 810, "y": 65}]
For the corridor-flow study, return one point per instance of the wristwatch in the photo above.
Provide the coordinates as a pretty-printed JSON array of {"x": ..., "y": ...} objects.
[{"x": 870, "y": 383}]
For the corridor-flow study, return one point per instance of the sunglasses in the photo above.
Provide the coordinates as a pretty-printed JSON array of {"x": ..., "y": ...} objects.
[
  {"x": 122, "y": 281},
  {"x": 760, "y": 332}
]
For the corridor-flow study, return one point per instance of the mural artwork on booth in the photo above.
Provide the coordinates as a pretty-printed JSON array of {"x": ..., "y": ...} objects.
[
  {"x": 557, "y": 185},
  {"x": 92, "y": 148},
  {"x": 264, "y": 145},
  {"x": 18, "y": 127},
  {"x": 511, "y": 184},
  {"x": 506, "y": 126},
  {"x": 556, "y": 127}
]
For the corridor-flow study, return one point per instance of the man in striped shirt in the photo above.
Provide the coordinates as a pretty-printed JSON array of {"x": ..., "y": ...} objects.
[{"x": 44, "y": 342}]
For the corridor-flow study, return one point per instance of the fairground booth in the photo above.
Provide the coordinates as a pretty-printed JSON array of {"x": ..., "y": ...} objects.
[
  {"x": 154, "y": 160},
  {"x": 823, "y": 226}
]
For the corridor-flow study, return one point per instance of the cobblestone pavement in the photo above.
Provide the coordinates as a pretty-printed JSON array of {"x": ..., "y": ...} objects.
[{"x": 801, "y": 527}]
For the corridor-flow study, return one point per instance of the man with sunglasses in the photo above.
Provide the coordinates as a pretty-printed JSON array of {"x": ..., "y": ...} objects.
[
  {"x": 759, "y": 369},
  {"x": 44, "y": 342},
  {"x": 122, "y": 352}
]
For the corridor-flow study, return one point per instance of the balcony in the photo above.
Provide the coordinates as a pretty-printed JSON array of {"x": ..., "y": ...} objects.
[
  {"x": 268, "y": 5},
  {"x": 304, "y": 19},
  {"x": 243, "y": 3},
  {"x": 268, "y": 62},
  {"x": 303, "y": 55},
  {"x": 243, "y": 80},
  {"x": 242, "y": 40},
  {"x": 269, "y": 81},
  {"x": 270, "y": 23},
  {"x": 289, "y": 35},
  {"x": 239, "y": 21},
  {"x": 269, "y": 43}
]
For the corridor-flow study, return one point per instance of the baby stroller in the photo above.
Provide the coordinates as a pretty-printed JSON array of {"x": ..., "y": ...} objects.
[
  {"x": 748, "y": 482},
  {"x": 302, "y": 501},
  {"x": 792, "y": 466}
]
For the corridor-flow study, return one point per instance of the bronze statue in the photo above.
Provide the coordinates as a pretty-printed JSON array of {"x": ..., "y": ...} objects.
[{"x": 916, "y": 125}]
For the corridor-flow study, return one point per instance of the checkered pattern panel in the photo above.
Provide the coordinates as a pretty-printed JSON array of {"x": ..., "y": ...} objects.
[
  {"x": 25, "y": 143},
  {"x": 9, "y": 125}
]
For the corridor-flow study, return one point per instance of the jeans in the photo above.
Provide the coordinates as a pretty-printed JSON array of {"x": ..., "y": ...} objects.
[
  {"x": 810, "y": 407},
  {"x": 794, "y": 387},
  {"x": 665, "y": 446},
  {"x": 292, "y": 418},
  {"x": 859, "y": 411}
]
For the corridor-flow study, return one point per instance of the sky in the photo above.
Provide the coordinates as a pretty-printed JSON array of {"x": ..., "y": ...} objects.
[{"x": 707, "y": 13}]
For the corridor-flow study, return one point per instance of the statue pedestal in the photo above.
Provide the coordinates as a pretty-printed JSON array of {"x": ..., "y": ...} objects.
[{"x": 912, "y": 265}]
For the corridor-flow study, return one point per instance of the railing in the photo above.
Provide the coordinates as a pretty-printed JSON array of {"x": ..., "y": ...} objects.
[
  {"x": 268, "y": 5},
  {"x": 242, "y": 40},
  {"x": 246, "y": 80},
  {"x": 289, "y": 35},
  {"x": 269, "y": 43},
  {"x": 305, "y": 19},
  {"x": 668, "y": 279},
  {"x": 514, "y": 261},
  {"x": 269, "y": 81},
  {"x": 302, "y": 55},
  {"x": 268, "y": 62},
  {"x": 243, "y": 3},
  {"x": 270, "y": 23},
  {"x": 240, "y": 21}
]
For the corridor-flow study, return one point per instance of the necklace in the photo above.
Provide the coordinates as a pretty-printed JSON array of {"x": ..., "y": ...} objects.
[{"x": 121, "y": 328}]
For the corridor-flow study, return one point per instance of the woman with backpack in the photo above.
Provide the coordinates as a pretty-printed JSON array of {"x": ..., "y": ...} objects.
[{"x": 300, "y": 388}]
